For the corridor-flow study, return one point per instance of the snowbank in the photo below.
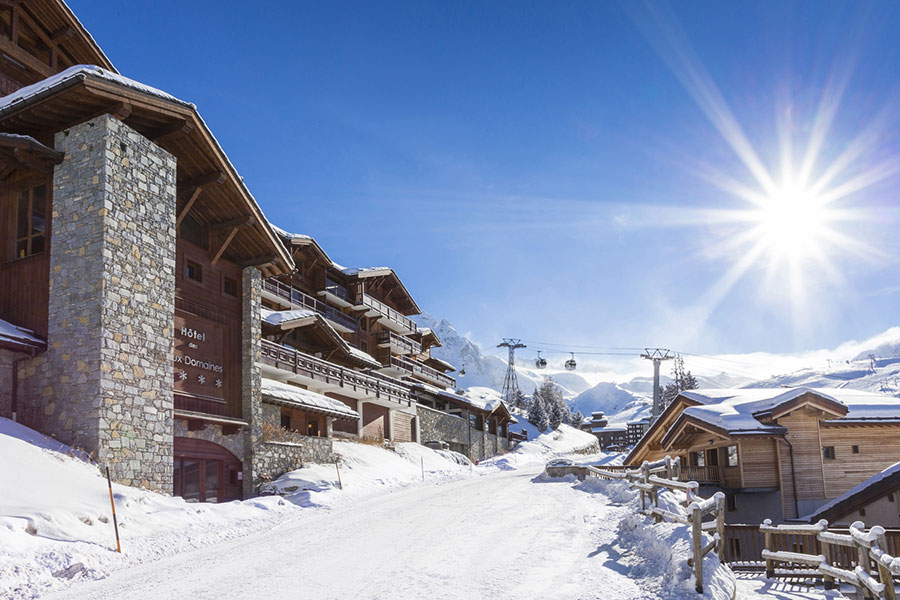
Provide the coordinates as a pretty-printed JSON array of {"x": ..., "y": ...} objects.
[
  {"x": 56, "y": 525},
  {"x": 655, "y": 554},
  {"x": 365, "y": 470},
  {"x": 540, "y": 447}
]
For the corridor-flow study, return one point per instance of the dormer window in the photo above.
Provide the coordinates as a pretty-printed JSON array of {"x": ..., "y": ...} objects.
[{"x": 31, "y": 221}]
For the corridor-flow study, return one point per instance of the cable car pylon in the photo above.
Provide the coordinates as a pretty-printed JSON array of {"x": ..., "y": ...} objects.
[{"x": 510, "y": 381}]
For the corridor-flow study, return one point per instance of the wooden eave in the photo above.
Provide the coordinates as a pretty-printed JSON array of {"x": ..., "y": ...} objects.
[
  {"x": 47, "y": 38},
  {"x": 809, "y": 399},
  {"x": 19, "y": 153},
  {"x": 390, "y": 288},
  {"x": 658, "y": 428},
  {"x": 502, "y": 413},
  {"x": 888, "y": 485},
  {"x": 686, "y": 422},
  {"x": 176, "y": 127}
]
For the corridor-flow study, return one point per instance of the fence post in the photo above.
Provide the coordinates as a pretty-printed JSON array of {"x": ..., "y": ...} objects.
[
  {"x": 644, "y": 468},
  {"x": 654, "y": 502},
  {"x": 862, "y": 560},
  {"x": 670, "y": 472},
  {"x": 770, "y": 564},
  {"x": 720, "y": 525},
  {"x": 697, "y": 543},
  {"x": 884, "y": 572},
  {"x": 827, "y": 580}
]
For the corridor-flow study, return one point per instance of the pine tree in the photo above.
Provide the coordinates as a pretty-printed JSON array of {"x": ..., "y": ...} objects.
[
  {"x": 537, "y": 412},
  {"x": 521, "y": 400},
  {"x": 682, "y": 380}
]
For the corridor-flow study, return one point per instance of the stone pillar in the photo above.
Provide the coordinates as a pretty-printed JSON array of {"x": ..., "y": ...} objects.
[
  {"x": 329, "y": 427},
  {"x": 360, "y": 422},
  {"x": 105, "y": 383},
  {"x": 251, "y": 377}
]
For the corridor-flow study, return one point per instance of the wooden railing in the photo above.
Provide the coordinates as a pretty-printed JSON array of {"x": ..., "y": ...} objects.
[
  {"x": 416, "y": 368},
  {"x": 667, "y": 474},
  {"x": 294, "y": 361},
  {"x": 336, "y": 289},
  {"x": 862, "y": 558},
  {"x": 406, "y": 345},
  {"x": 708, "y": 474},
  {"x": 301, "y": 299},
  {"x": 386, "y": 311}
]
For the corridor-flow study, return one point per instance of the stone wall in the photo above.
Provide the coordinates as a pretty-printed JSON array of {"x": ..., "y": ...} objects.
[
  {"x": 251, "y": 378},
  {"x": 435, "y": 425},
  {"x": 6, "y": 381},
  {"x": 105, "y": 382},
  {"x": 278, "y": 453}
]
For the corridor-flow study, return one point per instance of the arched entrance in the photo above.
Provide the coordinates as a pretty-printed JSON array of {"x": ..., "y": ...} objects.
[{"x": 205, "y": 472}]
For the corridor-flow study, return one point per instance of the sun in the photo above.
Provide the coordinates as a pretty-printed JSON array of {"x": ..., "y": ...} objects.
[{"x": 792, "y": 223}]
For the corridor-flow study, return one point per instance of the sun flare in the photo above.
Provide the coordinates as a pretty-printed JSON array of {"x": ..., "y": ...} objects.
[{"x": 792, "y": 223}]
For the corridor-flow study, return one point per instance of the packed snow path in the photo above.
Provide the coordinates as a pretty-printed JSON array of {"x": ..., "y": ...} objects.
[{"x": 497, "y": 536}]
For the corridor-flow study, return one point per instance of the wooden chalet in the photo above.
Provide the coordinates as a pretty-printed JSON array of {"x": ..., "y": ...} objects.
[
  {"x": 56, "y": 79},
  {"x": 776, "y": 453}
]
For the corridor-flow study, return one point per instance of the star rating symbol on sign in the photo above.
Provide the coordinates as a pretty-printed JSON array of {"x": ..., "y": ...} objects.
[
  {"x": 218, "y": 383},
  {"x": 182, "y": 375},
  {"x": 201, "y": 379}
]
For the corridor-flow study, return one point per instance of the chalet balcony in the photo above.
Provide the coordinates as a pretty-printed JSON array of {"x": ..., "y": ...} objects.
[
  {"x": 297, "y": 299},
  {"x": 711, "y": 475},
  {"x": 336, "y": 293},
  {"x": 316, "y": 369},
  {"x": 405, "y": 367},
  {"x": 389, "y": 317},
  {"x": 398, "y": 344}
]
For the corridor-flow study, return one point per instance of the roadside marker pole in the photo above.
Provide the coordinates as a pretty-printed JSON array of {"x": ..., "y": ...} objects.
[
  {"x": 112, "y": 503},
  {"x": 423, "y": 468},
  {"x": 338, "y": 468}
]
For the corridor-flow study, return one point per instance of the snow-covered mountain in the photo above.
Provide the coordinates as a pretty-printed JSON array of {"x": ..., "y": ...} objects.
[
  {"x": 487, "y": 370},
  {"x": 880, "y": 375}
]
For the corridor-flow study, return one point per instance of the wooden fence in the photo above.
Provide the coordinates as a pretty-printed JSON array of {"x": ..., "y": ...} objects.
[
  {"x": 862, "y": 558},
  {"x": 650, "y": 480}
]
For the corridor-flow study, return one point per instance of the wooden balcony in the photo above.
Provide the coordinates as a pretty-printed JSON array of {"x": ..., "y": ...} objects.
[
  {"x": 702, "y": 475},
  {"x": 398, "y": 344},
  {"x": 387, "y": 316},
  {"x": 404, "y": 366},
  {"x": 297, "y": 299},
  {"x": 310, "y": 367},
  {"x": 336, "y": 293}
]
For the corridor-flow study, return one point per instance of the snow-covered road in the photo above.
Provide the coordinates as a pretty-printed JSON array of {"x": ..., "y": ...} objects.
[{"x": 498, "y": 536}]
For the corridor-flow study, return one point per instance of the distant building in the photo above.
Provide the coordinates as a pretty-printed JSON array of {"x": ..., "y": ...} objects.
[
  {"x": 636, "y": 430},
  {"x": 608, "y": 436}
]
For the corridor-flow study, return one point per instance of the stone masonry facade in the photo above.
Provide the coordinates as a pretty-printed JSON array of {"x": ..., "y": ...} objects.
[
  {"x": 288, "y": 450},
  {"x": 105, "y": 383},
  {"x": 7, "y": 360},
  {"x": 251, "y": 379}
]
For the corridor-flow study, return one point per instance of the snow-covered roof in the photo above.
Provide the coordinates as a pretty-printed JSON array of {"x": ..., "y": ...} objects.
[
  {"x": 611, "y": 428},
  {"x": 76, "y": 72},
  {"x": 363, "y": 356},
  {"x": 282, "y": 317},
  {"x": 13, "y": 335},
  {"x": 860, "y": 494},
  {"x": 293, "y": 395},
  {"x": 740, "y": 410}
]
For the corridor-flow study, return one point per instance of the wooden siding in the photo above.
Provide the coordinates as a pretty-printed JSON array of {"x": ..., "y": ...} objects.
[
  {"x": 208, "y": 301},
  {"x": 759, "y": 463},
  {"x": 25, "y": 282},
  {"x": 376, "y": 421},
  {"x": 345, "y": 425},
  {"x": 803, "y": 434},
  {"x": 402, "y": 426},
  {"x": 879, "y": 448}
]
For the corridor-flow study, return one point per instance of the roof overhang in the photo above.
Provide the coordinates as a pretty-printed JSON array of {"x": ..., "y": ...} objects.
[
  {"x": 440, "y": 365},
  {"x": 657, "y": 428},
  {"x": 275, "y": 392},
  {"x": 810, "y": 398},
  {"x": 209, "y": 185},
  {"x": 24, "y": 153}
]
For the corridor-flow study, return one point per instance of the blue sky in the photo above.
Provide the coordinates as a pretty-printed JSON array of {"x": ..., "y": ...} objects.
[{"x": 543, "y": 170}]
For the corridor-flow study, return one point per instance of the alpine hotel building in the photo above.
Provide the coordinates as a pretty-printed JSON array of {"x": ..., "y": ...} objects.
[{"x": 134, "y": 319}]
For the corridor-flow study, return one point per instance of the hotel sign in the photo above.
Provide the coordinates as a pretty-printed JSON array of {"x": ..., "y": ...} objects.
[{"x": 199, "y": 357}]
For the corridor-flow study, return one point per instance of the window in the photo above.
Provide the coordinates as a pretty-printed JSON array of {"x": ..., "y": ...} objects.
[
  {"x": 700, "y": 459},
  {"x": 890, "y": 497},
  {"x": 862, "y": 512},
  {"x": 731, "y": 456},
  {"x": 286, "y": 420},
  {"x": 193, "y": 271},
  {"x": 312, "y": 428},
  {"x": 828, "y": 452},
  {"x": 855, "y": 449},
  {"x": 730, "y": 502},
  {"x": 31, "y": 221},
  {"x": 364, "y": 346},
  {"x": 229, "y": 287}
]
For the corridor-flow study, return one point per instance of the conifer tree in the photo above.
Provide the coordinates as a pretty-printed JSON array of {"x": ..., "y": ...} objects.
[{"x": 537, "y": 412}]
